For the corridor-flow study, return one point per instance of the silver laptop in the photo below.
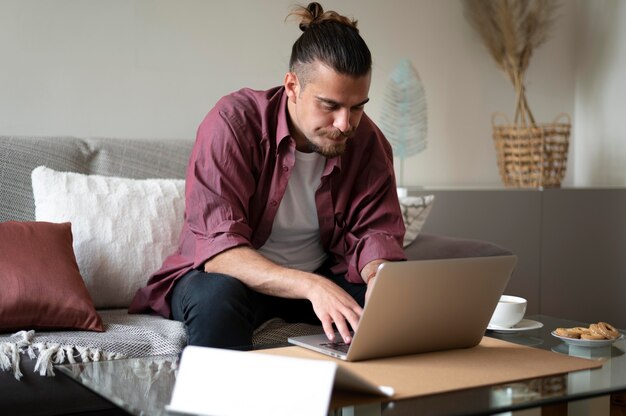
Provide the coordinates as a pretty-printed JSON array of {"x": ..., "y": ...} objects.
[{"x": 423, "y": 306}]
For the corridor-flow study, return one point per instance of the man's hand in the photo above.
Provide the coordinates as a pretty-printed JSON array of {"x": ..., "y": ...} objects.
[
  {"x": 332, "y": 304},
  {"x": 368, "y": 274}
]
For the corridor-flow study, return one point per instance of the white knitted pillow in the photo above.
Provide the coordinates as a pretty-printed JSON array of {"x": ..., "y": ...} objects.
[
  {"x": 415, "y": 210},
  {"x": 123, "y": 228}
]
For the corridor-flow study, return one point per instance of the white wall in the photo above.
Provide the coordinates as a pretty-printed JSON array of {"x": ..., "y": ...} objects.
[
  {"x": 153, "y": 68},
  {"x": 601, "y": 94}
]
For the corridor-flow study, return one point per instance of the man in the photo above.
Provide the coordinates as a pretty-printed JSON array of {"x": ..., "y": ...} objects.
[{"x": 291, "y": 203}]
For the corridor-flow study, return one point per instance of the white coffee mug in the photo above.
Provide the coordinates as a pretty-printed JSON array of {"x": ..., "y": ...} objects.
[{"x": 509, "y": 311}]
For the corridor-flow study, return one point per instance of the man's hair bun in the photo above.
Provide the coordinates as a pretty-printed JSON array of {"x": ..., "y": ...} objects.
[
  {"x": 314, "y": 14},
  {"x": 315, "y": 10}
]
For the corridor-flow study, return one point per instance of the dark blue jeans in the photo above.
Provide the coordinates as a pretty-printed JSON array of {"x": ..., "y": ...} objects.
[{"x": 220, "y": 311}]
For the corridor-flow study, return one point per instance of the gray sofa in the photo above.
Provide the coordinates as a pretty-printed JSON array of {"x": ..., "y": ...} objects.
[{"x": 139, "y": 159}]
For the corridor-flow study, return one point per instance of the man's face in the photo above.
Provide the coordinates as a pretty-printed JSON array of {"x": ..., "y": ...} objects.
[{"x": 326, "y": 110}]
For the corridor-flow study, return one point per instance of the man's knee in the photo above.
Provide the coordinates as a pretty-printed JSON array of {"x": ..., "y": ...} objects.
[
  {"x": 215, "y": 308},
  {"x": 207, "y": 293}
]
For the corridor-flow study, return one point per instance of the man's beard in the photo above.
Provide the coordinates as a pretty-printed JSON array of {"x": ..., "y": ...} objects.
[{"x": 333, "y": 149}]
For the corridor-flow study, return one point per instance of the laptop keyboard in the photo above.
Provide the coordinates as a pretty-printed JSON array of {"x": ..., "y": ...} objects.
[{"x": 337, "y": 346}]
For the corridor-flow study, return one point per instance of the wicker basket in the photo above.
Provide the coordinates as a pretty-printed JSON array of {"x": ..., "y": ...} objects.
[{"x": 532, "y": 156}]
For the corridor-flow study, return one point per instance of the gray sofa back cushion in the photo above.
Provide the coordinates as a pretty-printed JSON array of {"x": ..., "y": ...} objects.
[{"x": 130, "y": 158}]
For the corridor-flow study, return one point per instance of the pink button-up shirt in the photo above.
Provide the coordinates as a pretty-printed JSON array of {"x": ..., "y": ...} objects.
[{"x": 237, "y": 176}]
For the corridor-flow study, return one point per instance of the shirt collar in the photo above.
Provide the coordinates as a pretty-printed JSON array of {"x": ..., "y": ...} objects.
[{"x": 331, "y": 164}]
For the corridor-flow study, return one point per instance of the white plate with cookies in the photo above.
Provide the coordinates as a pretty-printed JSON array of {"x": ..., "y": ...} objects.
[{"x": 601, "y": 334}]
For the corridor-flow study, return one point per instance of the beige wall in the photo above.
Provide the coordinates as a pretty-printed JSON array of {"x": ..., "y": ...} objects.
[
  {"x": 153, "y": 68},
  {"x": 600, "y": 147}
]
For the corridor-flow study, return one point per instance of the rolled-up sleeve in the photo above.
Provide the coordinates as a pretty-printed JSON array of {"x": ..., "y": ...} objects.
[
  {"x": 372, "y": 247},
  {"x": 219, "y": 184}
]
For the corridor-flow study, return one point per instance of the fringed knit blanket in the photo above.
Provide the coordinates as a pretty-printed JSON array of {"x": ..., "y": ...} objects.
[{"x": 125, "y": 336}]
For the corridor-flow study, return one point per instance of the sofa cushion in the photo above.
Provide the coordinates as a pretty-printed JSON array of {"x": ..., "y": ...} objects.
[
  {"x": 139, "y": 158},
  {"x": 432, "y": 247},
  {"x": 123, "y": 228},
  {"x": 132, "y": 158},
  {"x": 41, "y": 286},
  {"x": 20, "y": 155}
]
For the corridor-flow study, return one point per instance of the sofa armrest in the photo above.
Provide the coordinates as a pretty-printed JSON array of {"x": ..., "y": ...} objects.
[{"x": 430, "y": 247}]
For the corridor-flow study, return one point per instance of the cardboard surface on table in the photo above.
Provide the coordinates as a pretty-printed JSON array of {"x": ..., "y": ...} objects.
[{"x": 491, "y": 362}]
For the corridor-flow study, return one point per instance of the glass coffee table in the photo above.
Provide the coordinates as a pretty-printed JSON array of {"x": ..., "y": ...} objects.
[{"x": 143, "y": 386}]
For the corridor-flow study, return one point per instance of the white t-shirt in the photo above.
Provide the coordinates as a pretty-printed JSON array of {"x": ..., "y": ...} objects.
[{"x": 295, "y": 238}]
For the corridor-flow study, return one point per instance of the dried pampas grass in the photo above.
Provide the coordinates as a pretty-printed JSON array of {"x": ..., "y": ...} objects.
[{"x": 511, "y": 30}]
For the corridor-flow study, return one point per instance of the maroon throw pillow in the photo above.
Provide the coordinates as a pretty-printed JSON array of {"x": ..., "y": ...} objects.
[{"x": 40, "y": 284}]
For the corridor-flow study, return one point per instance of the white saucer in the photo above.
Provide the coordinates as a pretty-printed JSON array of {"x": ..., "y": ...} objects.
[
  {"x": 589, "y": 343},
  {"x": 523, "y": 325}
]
